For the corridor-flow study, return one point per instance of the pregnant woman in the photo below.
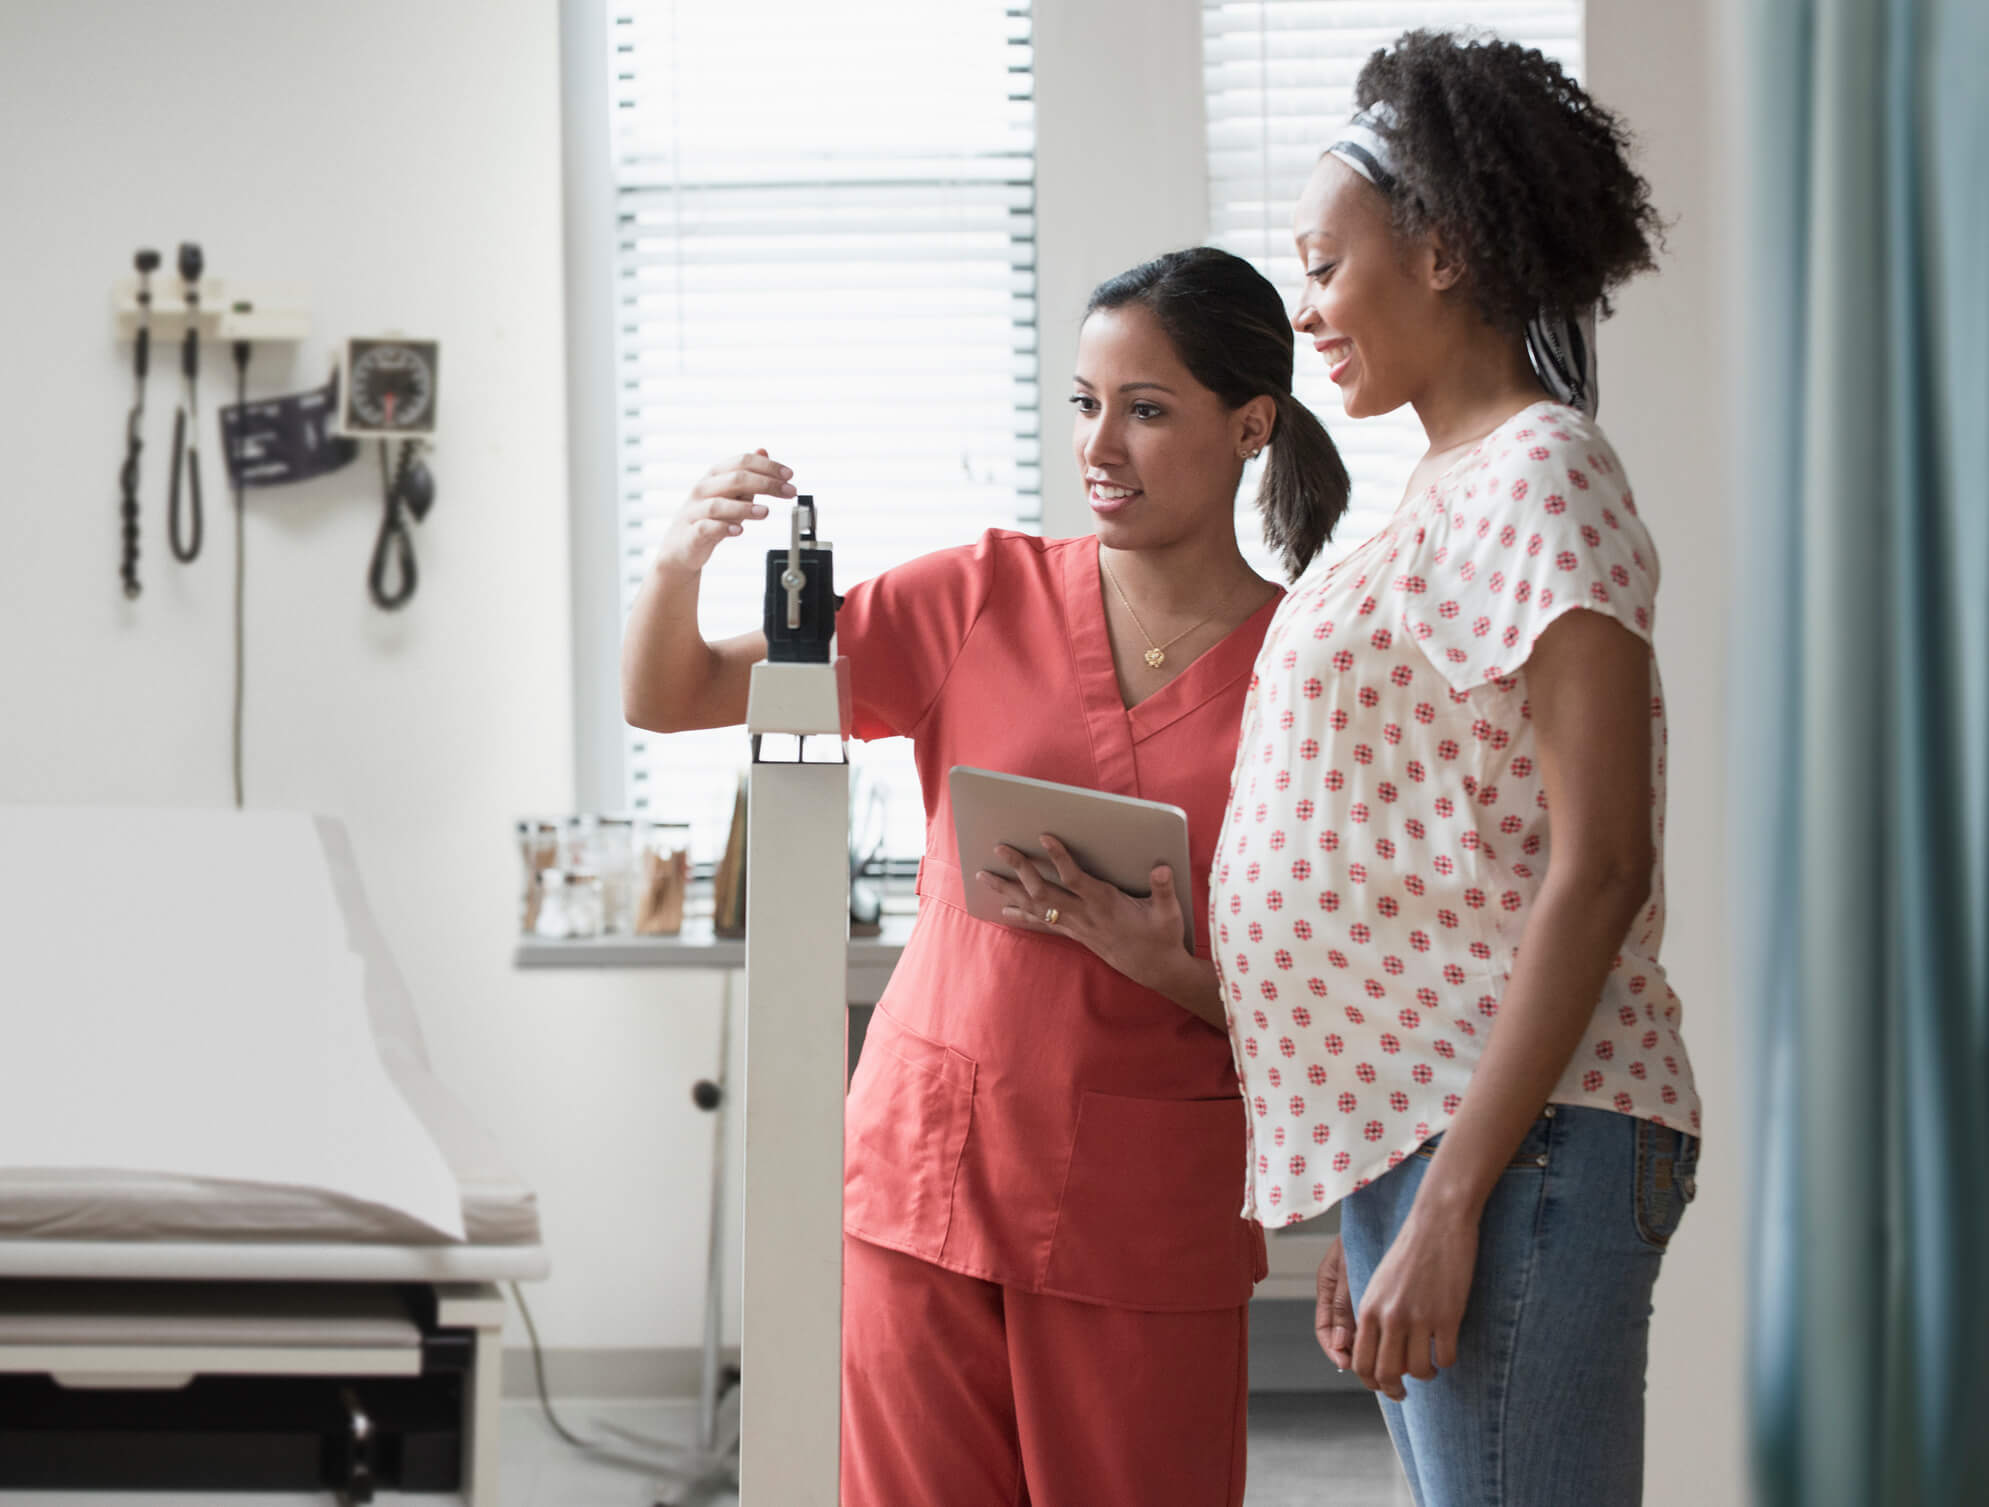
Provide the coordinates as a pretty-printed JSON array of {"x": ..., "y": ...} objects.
[
  {"x": 1045, "y": 1273},
  {"x": 1439, "y": 894}
]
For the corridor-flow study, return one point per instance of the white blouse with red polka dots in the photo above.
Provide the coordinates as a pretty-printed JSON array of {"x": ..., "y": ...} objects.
[{"x": 1388, "y": 828}]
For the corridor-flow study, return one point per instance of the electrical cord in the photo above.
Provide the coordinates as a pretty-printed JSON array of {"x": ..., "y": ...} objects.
[
  {"x": 146, "y": 261},
  {"x": 393, "y": 539},
  {"x": 186, "y": 421},
  {"x": 539, "y": 1371},
  {"x": 607, "y": 1454},
  {"x": 241, "y": 353}
]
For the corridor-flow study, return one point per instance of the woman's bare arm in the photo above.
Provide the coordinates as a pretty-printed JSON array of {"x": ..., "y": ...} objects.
[{"x": 1588, "y": 680}]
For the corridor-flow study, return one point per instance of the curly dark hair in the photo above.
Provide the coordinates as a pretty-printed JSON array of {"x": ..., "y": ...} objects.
[{"x": 1512, "y": 165}]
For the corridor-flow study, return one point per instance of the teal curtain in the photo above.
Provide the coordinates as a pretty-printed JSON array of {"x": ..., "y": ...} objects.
[{"x": 1861, "y": 772}]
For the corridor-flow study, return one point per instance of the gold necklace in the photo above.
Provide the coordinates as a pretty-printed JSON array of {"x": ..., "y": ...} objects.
[{"x": 1156, "y": 654}]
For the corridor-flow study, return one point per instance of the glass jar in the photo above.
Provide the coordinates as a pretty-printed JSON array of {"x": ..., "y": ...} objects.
[
  {"x": 615, "y": 863},
  {"x": 549, "y": 921},
  {"x": 569, "y": 905},
  {"x": 580, "y": 844},
  {"x": 583, "y": 904},
  {"x": 528, "y": 879},
  {"x": 662, "y": 877},
  {"x": 538, "y": 850}
]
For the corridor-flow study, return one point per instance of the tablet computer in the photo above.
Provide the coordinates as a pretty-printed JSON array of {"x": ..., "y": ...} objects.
[{"x": 1118, "y": 838}]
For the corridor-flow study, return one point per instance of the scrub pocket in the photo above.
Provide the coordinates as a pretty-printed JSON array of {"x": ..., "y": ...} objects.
[
  {"x": 1150, "y": 1211},
  {"x": 909, "y": 1108},
  {"x": 1667, "y": 1163}
]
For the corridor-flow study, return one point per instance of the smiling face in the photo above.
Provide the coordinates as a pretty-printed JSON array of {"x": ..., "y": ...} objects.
[
  {"x": 1373, "y": 306},
  {"x": 1159, "y": 453}
]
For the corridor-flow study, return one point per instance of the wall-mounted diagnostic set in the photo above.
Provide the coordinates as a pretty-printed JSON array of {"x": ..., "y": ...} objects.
[{"x": 381, "y": 388}]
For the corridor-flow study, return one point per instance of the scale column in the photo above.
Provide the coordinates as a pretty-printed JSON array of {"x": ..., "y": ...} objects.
[{"x": 797, "y": 949}]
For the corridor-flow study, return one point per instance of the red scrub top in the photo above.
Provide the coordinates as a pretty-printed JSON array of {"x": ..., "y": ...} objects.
[{"x": 1022, "y": 1112}]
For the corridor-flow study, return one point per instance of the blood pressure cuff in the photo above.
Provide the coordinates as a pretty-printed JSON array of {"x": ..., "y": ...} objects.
[{"x": 278, "y": 440}]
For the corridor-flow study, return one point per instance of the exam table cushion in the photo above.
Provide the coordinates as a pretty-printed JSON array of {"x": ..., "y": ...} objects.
[{"x": 65, "y": 1204}]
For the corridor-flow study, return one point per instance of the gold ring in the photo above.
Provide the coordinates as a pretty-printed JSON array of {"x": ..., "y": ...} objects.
[{"x": 1050, "y": 916}]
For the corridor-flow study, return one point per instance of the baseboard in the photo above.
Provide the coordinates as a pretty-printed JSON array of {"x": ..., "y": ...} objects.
[
  {"x": 1284, "y": 1354},
  {"x": 610, "y": 1372},
  {"x": 1284, "y": 1357}
]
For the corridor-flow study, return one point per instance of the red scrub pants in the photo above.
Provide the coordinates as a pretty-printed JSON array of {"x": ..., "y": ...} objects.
[{"x": 963, "y": 1393}]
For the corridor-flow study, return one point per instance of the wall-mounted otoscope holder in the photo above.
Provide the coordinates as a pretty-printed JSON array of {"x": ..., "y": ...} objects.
[{"x": 257, "y": 314}]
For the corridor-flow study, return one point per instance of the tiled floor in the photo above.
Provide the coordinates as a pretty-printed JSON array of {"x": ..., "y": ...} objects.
[
  {"x": 1306, "y": 1450},
  {"x": 1311, "y": 1449}
]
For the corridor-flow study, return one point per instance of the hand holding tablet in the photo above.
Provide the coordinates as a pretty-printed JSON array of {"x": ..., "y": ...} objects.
[{"x": 1113, "y": 838}]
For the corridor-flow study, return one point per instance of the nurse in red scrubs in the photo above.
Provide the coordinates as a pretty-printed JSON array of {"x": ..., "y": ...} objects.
[{"x": 1046, "y": 1271}]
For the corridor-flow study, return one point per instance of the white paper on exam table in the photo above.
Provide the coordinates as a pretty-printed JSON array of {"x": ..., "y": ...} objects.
[{"x": 178, "y": 997}]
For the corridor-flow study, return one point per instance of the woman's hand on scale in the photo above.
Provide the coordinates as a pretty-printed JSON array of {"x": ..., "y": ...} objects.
[
  {"x": 1140, "y": 937},
  {"x": 724, "y": 500}
]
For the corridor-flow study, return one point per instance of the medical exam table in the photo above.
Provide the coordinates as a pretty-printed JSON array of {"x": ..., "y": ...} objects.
[{"x": 329, "y": 1322}]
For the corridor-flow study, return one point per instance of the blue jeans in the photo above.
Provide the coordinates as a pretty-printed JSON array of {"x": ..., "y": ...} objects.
[{"x": 1545, "y": 1406}]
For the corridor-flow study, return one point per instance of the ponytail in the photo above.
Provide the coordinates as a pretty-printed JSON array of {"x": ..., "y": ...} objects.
[{"x": 1304, "y": 488}]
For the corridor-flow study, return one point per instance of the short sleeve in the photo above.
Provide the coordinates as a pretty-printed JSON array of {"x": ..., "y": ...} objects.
[
  {"x": 903, "y": 629},
  {"x": 1541, "y": 526}
]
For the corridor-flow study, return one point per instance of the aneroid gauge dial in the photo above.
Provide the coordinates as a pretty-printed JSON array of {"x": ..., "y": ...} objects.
[{"x": 389, "y": 388}]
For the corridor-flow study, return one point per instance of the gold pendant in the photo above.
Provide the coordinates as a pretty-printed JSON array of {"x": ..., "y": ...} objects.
[{"x": 1156, "y": 657}]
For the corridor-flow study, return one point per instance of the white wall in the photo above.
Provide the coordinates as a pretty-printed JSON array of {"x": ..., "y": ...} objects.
[
  {"x": 401, "y": 162},
  {"x": 1121, "y": 176},
  {"x": 1665, "y": 399}
]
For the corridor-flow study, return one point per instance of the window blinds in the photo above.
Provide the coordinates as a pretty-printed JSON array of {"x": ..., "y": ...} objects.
[
  {"x": 1279, "y": 80},
  {"x": 825, "y": 247}
]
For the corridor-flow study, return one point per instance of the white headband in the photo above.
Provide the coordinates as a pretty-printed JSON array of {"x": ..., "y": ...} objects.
[
  {"x": 1364, "y": 148},
  {"x": 1561, "y": 345}
]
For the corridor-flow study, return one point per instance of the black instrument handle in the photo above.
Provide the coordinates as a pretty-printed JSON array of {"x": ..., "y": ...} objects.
[
  {"x": 190, "y": 350},
  {"x": 143, "y": 356}
]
